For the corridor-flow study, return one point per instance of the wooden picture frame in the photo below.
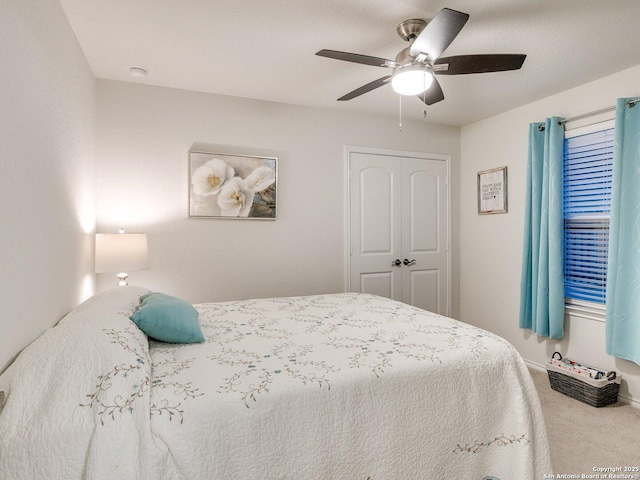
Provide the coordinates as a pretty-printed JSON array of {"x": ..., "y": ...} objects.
[
  {"x": 492, "y": 191},
  {"x": 223, "y": 185}
]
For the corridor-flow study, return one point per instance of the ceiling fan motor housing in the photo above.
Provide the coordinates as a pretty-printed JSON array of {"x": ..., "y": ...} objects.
[
  {"x": 404, "y": 58},
  {"x": 410, "y": 29}
]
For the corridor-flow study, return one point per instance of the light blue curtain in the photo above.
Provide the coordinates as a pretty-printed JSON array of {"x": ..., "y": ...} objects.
[
  {"x": 542, "y": 285},
  {"x": 623, "y": 275}
]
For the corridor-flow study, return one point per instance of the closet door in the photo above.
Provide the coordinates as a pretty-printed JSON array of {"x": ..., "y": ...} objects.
[{"x": 398, "y": 208}]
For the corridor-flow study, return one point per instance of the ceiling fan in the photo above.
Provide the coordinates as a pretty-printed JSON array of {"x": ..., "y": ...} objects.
[{"x": 415, "y": 66}]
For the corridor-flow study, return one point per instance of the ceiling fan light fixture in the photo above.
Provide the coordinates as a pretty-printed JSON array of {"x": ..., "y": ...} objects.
[{"x": 411, "y": 79}]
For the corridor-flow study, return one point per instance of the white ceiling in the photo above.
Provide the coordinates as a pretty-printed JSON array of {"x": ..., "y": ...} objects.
[{"x": 265, "y": 49}]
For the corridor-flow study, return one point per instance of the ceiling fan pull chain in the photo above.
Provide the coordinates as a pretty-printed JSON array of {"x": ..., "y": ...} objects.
[
  {"x": 400, "y": 125},
  {"x": 424, "y": 98}
]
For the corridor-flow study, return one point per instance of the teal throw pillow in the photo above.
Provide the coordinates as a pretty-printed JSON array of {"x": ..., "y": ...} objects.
[{"x": 168, "y": 319}]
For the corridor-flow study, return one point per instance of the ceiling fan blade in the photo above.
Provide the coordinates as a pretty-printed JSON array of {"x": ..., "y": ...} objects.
[
  {"x": 433, "y": 94},
  {"x": 463, "y": 64},
  {"x": 366, "y": 88},
  {"x": 357, "y": 58},
  {"x": 439, "y": 33}
]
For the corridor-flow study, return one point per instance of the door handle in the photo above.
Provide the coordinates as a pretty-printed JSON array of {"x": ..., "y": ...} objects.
[
  {"x": 396, "y": 263},
  {"x": 409, "y": 263}
]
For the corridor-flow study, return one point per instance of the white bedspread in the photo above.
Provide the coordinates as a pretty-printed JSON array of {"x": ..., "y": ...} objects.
[{"x": 343, "y": 386}]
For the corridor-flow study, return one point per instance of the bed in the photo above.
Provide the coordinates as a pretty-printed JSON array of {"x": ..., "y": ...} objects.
[{"x": 343, "y": 386}]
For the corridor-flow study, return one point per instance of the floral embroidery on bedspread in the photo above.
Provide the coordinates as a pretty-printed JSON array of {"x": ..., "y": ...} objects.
[
  {"x": 160, "y": 375},
  {"x": 110, "y": 405},
  {"x": 164, "y": 376},
  {"x": 500, "y": 441},
  {"x": 250, "y": 381},
  {"x": 264, "y": 343}
]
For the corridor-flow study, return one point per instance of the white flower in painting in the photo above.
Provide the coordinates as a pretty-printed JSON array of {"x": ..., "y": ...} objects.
[
  {"x": 260, "y": 179},
  {"x": 209, "y": 178},
  {"x": 234, "y": 199}
]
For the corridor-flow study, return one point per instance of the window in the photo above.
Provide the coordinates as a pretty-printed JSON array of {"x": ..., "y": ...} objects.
[{"x": 588, "y": 159}]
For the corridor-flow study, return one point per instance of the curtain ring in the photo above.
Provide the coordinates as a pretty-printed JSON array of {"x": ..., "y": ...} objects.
[
  {"x": 541, "y": 128},
  {"x": 632, "y": 103}
]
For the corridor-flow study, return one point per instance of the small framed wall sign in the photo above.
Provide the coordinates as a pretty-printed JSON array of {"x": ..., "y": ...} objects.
[
  {"x": 232, "y": 186},
  {"x": 492, "y": 191}
]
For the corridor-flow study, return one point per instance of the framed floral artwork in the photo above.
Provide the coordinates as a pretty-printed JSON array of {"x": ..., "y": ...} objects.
[{"x": 232, "y": 186}]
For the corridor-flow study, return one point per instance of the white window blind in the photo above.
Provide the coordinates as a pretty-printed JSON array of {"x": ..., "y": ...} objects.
[{"x": 588, "y": 159}]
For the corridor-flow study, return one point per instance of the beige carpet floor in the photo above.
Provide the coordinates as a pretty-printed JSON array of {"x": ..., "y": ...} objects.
[{"x": 582, "y": 437}]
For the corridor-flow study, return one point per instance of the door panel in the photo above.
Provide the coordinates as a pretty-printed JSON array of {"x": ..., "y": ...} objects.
[
  {"x": 423, "y": 201},
  {"x": 375, "y": 207},
  {"x": 376, "y": 211},
  {"x": 425, "y": 286},
  {"x": 424, "y": 234},
  {"x": 377, "y": 284}
]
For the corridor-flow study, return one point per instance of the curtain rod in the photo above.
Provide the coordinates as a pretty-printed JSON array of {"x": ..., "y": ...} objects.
[{"x": 630, "y": 103}]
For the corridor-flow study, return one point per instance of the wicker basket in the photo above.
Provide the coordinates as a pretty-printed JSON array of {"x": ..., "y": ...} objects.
[{"x": 597, "y": 393}]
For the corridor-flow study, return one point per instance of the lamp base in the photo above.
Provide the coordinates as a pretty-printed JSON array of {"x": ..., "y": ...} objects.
[{"x": 123, "y": 279}]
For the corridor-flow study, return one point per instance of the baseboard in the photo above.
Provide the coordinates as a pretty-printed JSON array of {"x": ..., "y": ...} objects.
[
  {"x": 621, "y": 398},
  {"x": 535, "y": 366}
]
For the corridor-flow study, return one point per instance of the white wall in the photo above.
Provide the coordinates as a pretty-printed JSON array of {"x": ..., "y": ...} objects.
[
  {"x": 491, "y": 245},
  {"x": 47, "y": 99},
  {"x": 144, "y": 135}
]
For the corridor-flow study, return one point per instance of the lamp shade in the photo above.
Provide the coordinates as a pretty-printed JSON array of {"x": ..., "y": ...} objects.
[{"x": 121, "y": 252}]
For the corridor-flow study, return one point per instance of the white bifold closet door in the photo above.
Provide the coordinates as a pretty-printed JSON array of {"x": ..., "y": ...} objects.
[{"x": 398, "y": 209}]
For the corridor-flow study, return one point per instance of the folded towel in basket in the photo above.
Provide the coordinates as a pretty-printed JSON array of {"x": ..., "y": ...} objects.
[{"x": 578, "y": 368}]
